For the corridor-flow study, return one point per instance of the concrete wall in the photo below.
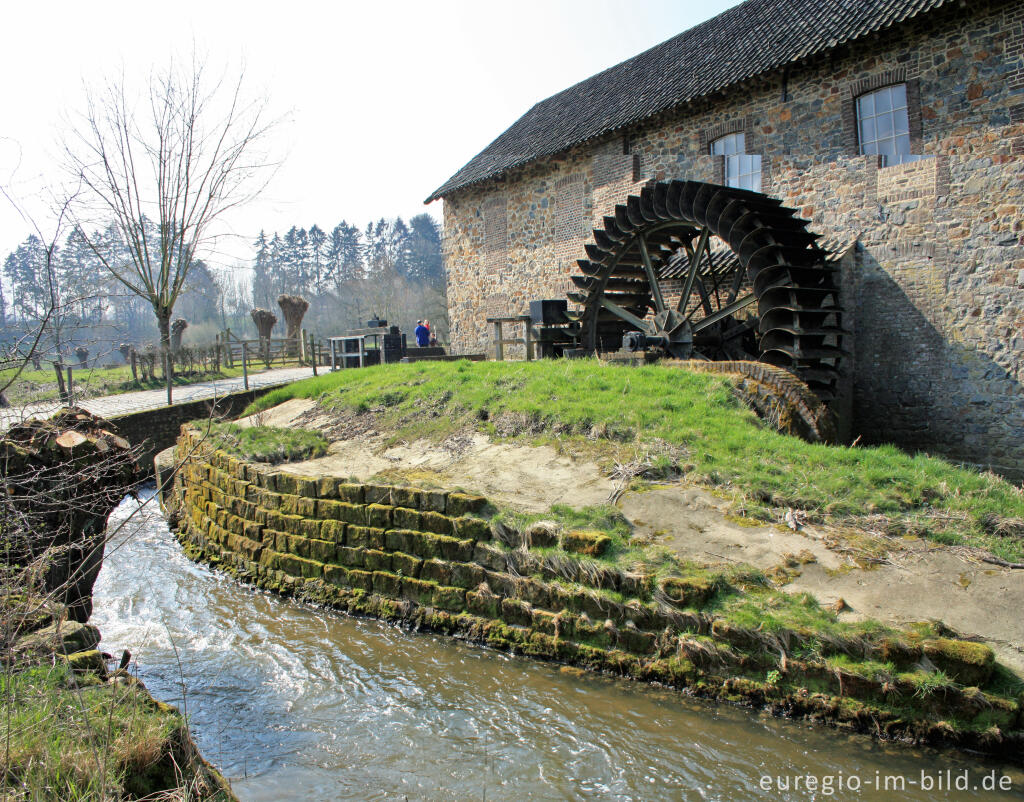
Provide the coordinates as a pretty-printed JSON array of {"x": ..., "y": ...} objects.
[{"x": 935, "y": 285}]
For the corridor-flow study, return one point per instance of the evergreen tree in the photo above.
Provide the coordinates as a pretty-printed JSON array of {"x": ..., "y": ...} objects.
[
  {"x": 317, "y": 239},
  {"x": 425, "y": 251}
]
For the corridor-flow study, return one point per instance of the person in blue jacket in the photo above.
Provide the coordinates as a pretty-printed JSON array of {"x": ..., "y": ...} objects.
[{"x": 422, "y": 334}]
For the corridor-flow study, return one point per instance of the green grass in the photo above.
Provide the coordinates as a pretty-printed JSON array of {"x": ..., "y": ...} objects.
[
  {"x": 613, "y": 412},
  {"x": 41, "y": 385},
  {"x": 76, "y": 738},
  {"x": 267, "y": 443}
]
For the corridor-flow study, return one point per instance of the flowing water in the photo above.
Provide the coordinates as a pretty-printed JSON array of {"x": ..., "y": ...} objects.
[{"x": 293, "y": 702}]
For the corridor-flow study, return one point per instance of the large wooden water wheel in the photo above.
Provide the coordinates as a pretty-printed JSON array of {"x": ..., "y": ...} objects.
[{"x": 701, "y": 271}]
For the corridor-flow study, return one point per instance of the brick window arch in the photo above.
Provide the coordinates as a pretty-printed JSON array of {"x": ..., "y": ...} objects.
[{"x": 882, "y": 115}]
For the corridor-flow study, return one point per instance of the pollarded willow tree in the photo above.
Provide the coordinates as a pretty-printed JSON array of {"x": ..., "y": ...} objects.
[{"x": 165, "y": 165}]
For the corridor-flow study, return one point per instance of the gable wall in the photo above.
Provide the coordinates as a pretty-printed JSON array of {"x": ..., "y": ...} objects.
[{"x": 934, "y": 294}]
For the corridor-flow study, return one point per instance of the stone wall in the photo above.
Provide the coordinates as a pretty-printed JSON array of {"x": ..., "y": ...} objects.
[
  {"x": 429, "y": 558},
  {"x": 934, "y": 302}
]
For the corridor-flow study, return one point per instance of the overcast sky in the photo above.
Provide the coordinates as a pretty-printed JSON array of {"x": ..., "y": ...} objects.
[{"x": 381, "y": 101}]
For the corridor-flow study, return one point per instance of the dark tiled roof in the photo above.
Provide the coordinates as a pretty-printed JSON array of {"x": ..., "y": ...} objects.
[{"x": 754, "y": 37}]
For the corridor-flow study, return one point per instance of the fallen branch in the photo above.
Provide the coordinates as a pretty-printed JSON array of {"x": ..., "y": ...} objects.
[{"x": 1002, "y": 563}]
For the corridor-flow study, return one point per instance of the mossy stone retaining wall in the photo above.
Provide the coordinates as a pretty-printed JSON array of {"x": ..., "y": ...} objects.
[{"x": 429, "y": 558}]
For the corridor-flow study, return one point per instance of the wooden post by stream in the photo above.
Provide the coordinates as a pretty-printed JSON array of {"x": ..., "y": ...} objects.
[
  {"x": 71, "y": 387},
  {"x": 312, "y": 353}
]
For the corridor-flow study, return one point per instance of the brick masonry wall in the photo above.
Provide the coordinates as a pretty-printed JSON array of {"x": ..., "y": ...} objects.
[
  {"x": 934, "y": 303},
  {"x": 428, "y": 558}
]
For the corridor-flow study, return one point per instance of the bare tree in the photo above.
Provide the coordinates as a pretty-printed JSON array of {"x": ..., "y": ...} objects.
[{"x": 166, "y": 171}]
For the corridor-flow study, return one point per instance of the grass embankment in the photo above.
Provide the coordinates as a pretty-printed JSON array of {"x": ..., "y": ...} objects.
[
  {"x": 41, "y": 385},
  {"x": 266, "y": 443},
  {"x": 72, "y": 730},
  {"x": 665, "y": 416}
]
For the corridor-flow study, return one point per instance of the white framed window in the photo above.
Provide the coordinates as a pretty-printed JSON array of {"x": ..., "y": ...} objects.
[
  {"x": 883, "y": 125},
  {"x": 741, "y": 169}
]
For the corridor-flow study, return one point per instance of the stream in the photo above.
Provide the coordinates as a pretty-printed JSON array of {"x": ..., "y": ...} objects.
[{"x": 292, "y": 702}]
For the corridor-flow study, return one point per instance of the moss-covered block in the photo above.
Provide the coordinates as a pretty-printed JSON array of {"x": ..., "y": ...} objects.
[
  {"x": 387, "y": 584},
  {"x": 636, "y": 641},
  {"x": 287, "y": 483},
  {"x": 333, "y": 530},
  {"x": 475, "y": 528},
  {"x": 351, "y": 557},
  {"x": 464, "y": 504},
  {"x": 490, "y": 556},
  {"x": 485, "y": 605},
  {"x": 514, "y": 611},
  {"x": 404, "y": 518},
  {"x": 268, "y": 481},
  {"x": 408, "y": 497},
  {"x": 341, "y": 511},
  {"x": 292, "y": 523},
  {"x": 243, "y": 545},
  {"x": 545, "y": 621},
  {"x": 350, "y": 493},
  {"x": 433, "y": 501},
  {"x": 436, "y": 570},
  {"x": 455, "y": 549},
  {"x": 585, "y": 542},
  {"x": 418, "y": 590},
  {"x": 377, "y": 494},
  {"x": 337, "y": 575},
  {"x": 378, "y": 515},
  {"x": 450, "y": 599},
  {"x": 322, "y": 550},
  {"x": 503, "y": 584},
  {"x": 466, "y": 575},
  {"x": 361, "y": 579},
  {"x": 688, "y": 591},
  {"x": 327, "y": 487},
  {"x": 367, "y": 537},
  {"x": 375, "y": 560},
  {"x": 311, "y": 527},
  {"x": 966, "y": 662},
  {"x": 435, "y": 522},
  {"x": 406, "y": 565},
  {"x": 298, "y": 505}
]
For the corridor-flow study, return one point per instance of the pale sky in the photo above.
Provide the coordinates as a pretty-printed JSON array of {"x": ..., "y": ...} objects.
[{"x": 382, "y": 101}]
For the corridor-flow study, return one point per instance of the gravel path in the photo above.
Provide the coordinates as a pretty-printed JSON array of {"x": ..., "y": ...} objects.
[{"x": 124, "y": 403}]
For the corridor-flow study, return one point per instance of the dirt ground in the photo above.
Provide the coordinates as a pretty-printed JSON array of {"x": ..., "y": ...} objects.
[{"x": 903, "y": 580}]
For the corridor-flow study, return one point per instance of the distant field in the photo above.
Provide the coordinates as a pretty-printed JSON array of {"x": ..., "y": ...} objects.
[
  {"x": 689, "y": 422},
  {"x": 41, "y": 385}
]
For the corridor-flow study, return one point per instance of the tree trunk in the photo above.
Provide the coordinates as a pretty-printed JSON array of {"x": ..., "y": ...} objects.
[{"x": 163, "y": 320}]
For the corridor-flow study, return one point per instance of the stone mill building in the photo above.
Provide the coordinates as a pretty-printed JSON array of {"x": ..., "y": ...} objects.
[{"x": 896, "y": 127}]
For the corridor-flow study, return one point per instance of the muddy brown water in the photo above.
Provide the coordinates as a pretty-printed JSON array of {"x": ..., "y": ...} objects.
[{"x": 297, "y": 703}]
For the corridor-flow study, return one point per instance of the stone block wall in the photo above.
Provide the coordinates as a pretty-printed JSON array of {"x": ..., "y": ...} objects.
[
  {"x": 935, "y": 302},
  {"x": 430, "y": 559}
]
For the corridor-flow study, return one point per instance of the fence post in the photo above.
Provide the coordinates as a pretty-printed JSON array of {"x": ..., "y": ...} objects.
[
  {"x": 216, "y": 353},
  {"x": 71, "y": 387},
  {"x": 229, "y": 360},
  {"x": 302, "y": 346},
  {"x": 59, "y": 370},
  {"x": 245, "y": 368},
  {"x": 312, "y": 354}
]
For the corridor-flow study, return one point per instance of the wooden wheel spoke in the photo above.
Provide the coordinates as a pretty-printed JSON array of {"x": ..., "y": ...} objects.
[
  {"x": 652, "y": 279},
  {"x": 625, "y": 314}
]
